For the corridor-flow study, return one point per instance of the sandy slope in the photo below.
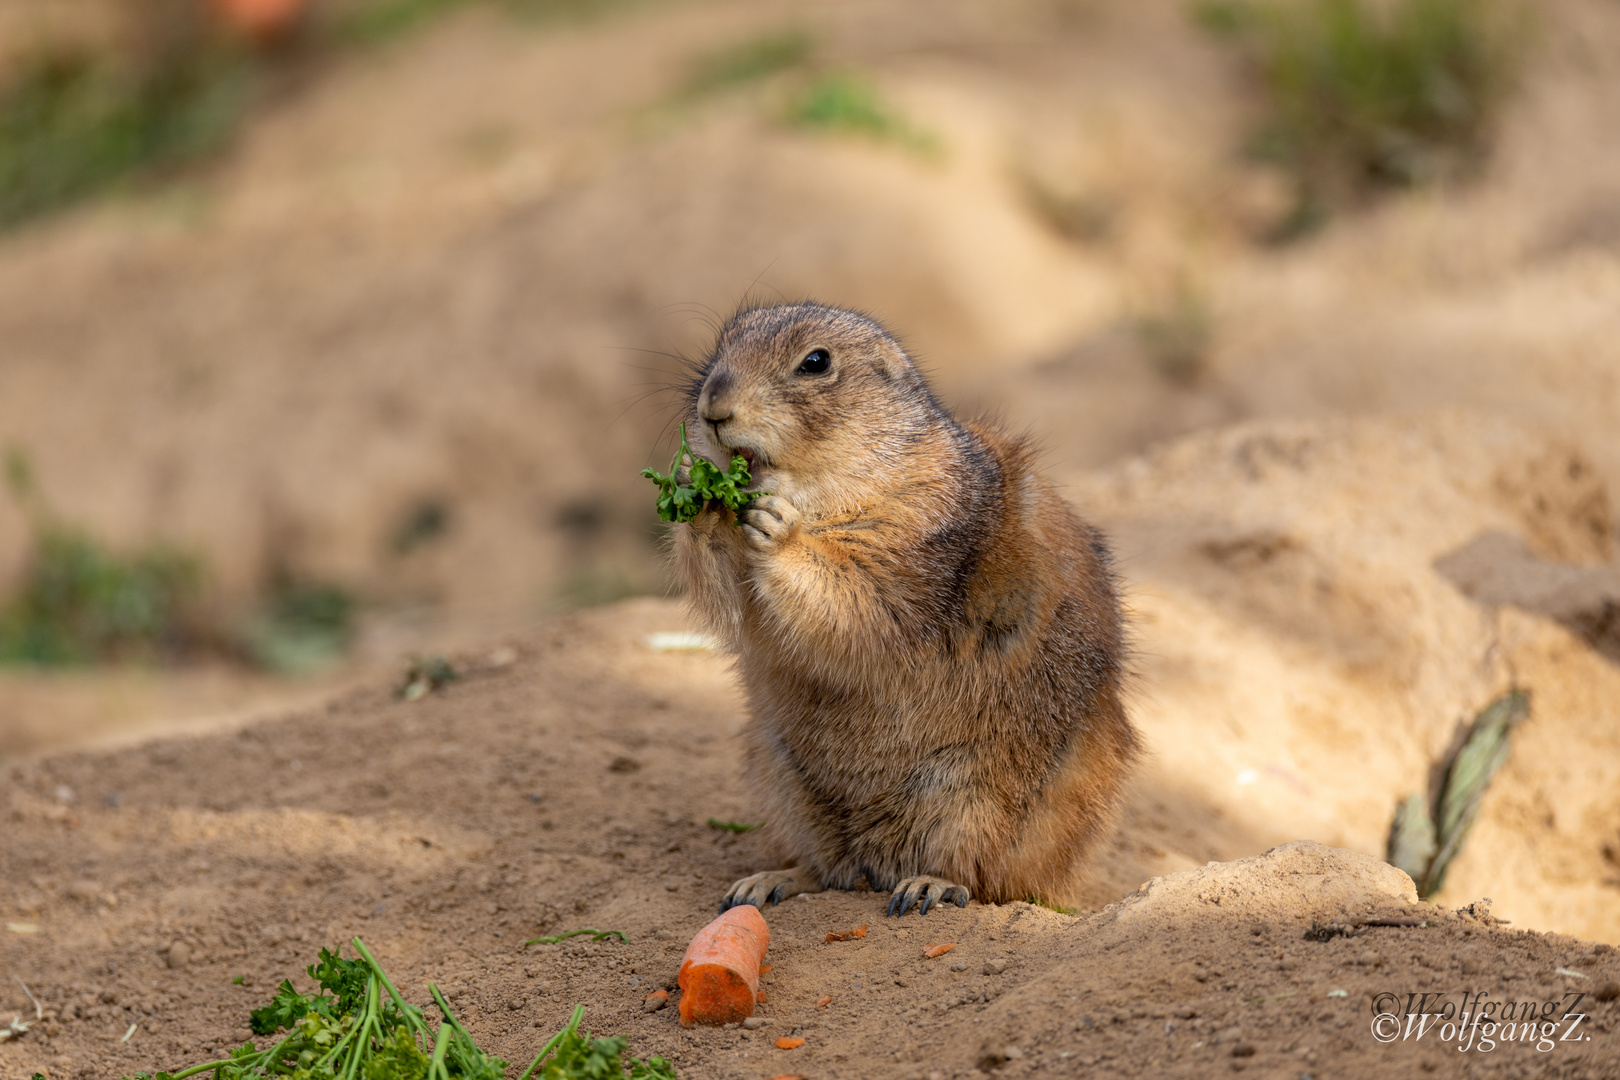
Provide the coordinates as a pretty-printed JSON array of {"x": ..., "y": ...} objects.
[
  {"x": 566, "y": 783},
  {"x": 569, "y": 787},
  {"x": 1388, "y": 498}
]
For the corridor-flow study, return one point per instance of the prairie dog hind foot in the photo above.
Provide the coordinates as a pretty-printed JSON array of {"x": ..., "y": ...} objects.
[
  {"x": 925, "y": 891},
  {"x": 769, "y": 887}
]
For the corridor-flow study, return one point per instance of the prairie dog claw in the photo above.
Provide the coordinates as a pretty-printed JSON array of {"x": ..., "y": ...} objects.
[
  {"x": 925, "y": 892},
  {"x": 769, "y": 887}
]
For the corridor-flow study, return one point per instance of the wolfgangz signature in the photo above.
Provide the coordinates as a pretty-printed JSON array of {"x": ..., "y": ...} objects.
[{"x": 1476, "y": 1023}]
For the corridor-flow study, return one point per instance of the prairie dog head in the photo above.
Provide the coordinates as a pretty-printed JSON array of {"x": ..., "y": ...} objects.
[{"x": 821, "y": 403}]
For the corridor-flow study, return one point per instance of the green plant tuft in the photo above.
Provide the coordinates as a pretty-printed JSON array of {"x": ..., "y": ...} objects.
[
  {"x": 748, "y": 61},
  {"x": 1427, "y": 833},
  {"x": 1363, "y": 95},
  {"x": 80, "y": 603},
  {"x": 73, "y": 124},
  {"x": 303, "y": 625},
  {"x": 844, "y": 103}
]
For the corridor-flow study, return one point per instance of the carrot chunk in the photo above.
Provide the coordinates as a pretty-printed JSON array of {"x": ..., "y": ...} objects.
[
  {"x": 823, "y": 1001},
  {"x": 933, "y": 951},
  {"x": 719, "y": 977},
  {"x": 786, "y": 1043},
  {"x": 847, "y": 935}
]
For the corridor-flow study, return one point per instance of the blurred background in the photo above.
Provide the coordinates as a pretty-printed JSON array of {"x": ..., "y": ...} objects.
[{"x": 333, "y": 331}]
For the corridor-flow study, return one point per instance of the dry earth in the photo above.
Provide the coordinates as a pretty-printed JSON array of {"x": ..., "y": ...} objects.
[
  {"x": 568, "y": 779},
  {"x": 566, "y": 782},
  {"x": 1387, "y": 497}
]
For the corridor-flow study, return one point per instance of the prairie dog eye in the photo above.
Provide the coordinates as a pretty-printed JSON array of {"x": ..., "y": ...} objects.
[{"x": 816, "y": 363}]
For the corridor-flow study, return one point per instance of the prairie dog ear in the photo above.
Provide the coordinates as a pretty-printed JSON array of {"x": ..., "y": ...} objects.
[{"x": 891, "y": 361}]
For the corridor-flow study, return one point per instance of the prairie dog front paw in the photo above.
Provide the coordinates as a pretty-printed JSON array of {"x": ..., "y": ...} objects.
[{"x": 769, "y": 522}]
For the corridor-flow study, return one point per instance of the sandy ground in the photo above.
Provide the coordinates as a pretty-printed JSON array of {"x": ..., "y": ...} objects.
[
  {"x": 446, "y": 274},
  {"x": 567, "y": 781}
]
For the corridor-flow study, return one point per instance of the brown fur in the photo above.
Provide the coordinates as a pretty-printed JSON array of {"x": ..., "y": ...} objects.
[{"x": 930, "y": 641}]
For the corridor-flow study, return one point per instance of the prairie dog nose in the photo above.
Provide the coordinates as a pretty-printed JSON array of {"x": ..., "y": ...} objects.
[{"x": 715, "y": 405}]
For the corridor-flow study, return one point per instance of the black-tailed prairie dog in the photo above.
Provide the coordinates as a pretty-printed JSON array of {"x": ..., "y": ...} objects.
[{"x": 930, "y": 641}]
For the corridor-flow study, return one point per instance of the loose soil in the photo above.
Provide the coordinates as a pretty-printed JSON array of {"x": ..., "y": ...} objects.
[
  {"x": 566, "y": 781},
  {"x": 443, "y": 273}
]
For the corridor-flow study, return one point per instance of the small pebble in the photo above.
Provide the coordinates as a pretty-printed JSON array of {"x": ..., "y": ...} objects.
[
  {"x": 995, "y": 967},
  {"x": 754, "y": 1023},
  {"x": 179, "y": 954},
  {"x": 960, "y": 965}
]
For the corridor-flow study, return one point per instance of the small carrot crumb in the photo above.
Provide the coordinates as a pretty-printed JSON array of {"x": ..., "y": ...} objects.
[
  {"x": 760, "y": 997},
  {"x": 765, "y": 969},
  {"x": 823, "y": 1001},
  {"x": 657, "y": 994},
  {"x": 847, "y": 935},
  {"x": 935, "y": 951},
  {"x": 786, "y": 1043}
]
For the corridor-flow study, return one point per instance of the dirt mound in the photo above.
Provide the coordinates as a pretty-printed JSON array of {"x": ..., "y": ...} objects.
[
  {"x": 1309, "y": 647},
  {"x": 567, "y": 782}
]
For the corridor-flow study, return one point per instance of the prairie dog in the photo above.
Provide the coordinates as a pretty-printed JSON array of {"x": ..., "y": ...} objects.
[{"x": 929, "y": 640}]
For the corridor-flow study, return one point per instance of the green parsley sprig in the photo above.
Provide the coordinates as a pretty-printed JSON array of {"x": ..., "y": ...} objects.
[
  {"x": 570, "y": 1055},
  {"x": 705, "y": 483},
  {"x": 356, "y": 1026}
]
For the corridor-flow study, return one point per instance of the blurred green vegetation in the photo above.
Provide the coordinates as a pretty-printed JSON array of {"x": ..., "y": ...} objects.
[
  {"x": 845, "y": 103},
  {"x": 302, "y": 625},
  {"x": 72, "y": 124},
  {"x": 1363, "y": 95},
  {"x": 747, "y": 61},
  {"x": 381, "y": 20},
  {"x": 76, "y": 122},
  {"x": 79, "y": 602}
]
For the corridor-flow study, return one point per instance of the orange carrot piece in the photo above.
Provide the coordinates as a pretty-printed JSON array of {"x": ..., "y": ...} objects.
[
  {"x": 719, "y": 976},
  {"x": 786, "y": 1043},
  {"x": 823, "y": 1001},
  {"x": 766, "y": 969},
  {"x": 847, "y": 935},
  {"x": 759, "y": 998},
  {"x": 660, "y": 993},
  {"x": 934, "y": 951}
]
